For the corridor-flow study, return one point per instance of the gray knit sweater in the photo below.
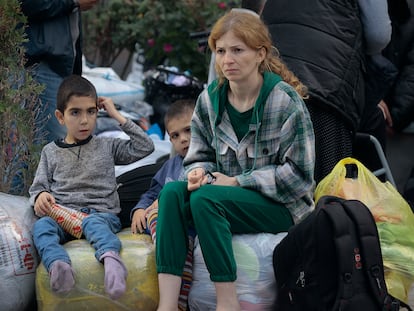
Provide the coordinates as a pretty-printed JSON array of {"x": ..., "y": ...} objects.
[{"x": 83, "y": 175}]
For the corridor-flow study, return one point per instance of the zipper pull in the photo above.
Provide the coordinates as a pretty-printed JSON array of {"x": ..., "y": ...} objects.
[
  {"x": 375, "y": 272},
  {"x": 301, "y": 279}
]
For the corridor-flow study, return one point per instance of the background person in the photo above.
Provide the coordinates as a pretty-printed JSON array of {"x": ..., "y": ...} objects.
[
  {"x": 400, "y": 51},
  {"x": 325, "y": 44},
  {"x": 53, "y": 51}
]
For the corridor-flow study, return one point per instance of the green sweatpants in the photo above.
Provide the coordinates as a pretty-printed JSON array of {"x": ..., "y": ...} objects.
[{"x": 216, "y": 212}]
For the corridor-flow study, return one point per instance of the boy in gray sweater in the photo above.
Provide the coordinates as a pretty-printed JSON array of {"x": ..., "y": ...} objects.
[{"x": 78, "y": 172}]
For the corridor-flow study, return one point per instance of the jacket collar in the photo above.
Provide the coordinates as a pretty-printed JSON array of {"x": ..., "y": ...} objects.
[{"x": 218, "y": 96}]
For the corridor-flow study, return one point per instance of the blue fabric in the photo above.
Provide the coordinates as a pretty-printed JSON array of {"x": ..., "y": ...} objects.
[
  {"x": 49, "y": 238},
  {"x": 50, "y": 129},
  {"x": 99, "y": 230},
  {"x": 155, "y": 129},
  {"x": 49, "y": 32}
]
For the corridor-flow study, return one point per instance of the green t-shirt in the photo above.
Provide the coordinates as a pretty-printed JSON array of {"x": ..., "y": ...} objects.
[{"x": 239, "y": 120}]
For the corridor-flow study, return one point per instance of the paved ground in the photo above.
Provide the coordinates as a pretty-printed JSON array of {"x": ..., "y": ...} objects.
[{"x": 400, "y": 153}]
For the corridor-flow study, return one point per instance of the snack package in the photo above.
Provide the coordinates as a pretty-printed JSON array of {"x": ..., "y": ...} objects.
[{"x": 69, "y": 219}]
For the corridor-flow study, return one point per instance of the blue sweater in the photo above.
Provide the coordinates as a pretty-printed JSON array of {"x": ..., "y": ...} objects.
[{"x": 171, "y": 170}]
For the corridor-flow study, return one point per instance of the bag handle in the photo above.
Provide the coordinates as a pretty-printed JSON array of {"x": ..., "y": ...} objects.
[
  {"x": 178, "y": 73},
  {"x": 340, "y": 173}
]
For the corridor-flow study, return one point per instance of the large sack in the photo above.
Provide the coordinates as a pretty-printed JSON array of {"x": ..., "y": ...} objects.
[
  {"x": 138, "y": 254},
  {"x": 18, "y": 257},
  {"x": 256, "y": 285}
]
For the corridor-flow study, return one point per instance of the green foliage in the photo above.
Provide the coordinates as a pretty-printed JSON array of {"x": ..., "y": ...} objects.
[
  {"x": 18, "y": 97},
  {"x": 161, "y": 28}
]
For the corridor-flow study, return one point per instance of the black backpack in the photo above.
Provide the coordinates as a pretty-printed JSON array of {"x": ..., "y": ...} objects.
[
  {"x": 134, "y": 183},
  {"x": 332, "y": 261}
]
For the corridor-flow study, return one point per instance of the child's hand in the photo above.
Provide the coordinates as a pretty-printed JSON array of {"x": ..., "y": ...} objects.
[
  {"x": 107, "y": 104},
  {"x": 43, "y": 204},
  {"x": 139, "y": 221}
]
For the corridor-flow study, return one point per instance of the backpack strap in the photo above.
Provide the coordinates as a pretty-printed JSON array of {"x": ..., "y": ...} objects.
[
  {"x": 371, "y": 249},
  {"x": 332, "y": 207}
]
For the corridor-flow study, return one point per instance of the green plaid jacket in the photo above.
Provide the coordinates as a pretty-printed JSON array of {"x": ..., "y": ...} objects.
[{"x": 277, "y": 155}]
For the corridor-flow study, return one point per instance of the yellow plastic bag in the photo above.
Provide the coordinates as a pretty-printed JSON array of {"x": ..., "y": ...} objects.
[{"x": 393, "y": 216}]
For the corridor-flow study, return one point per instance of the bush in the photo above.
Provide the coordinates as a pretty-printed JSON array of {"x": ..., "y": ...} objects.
[
  {"x": 161, "y": 28},
  {"x": 18, "y": 98}
]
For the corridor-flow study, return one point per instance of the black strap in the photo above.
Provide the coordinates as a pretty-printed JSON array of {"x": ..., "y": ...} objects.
[
  {"x": 371, "y": 248},
  {"x": 343, "y": 243},
  {"x": 368, "y": 239},
  {"x": 368, "y": 233},
  {"x": 403, "y": 304}
]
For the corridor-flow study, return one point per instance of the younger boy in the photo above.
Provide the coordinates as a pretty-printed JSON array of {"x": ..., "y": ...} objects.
[
  {"x": 177, "y": 122},
  {"x": 78, "y": 172}
]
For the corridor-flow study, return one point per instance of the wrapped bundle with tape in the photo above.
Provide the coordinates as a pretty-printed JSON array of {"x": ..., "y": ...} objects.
[
  {"x": 69, "y": 219},
  {"x": 18, "y": 257},
  {"x": 138, "y": 255}
]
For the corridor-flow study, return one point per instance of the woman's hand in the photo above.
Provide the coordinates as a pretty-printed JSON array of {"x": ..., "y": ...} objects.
[
  {"x": 196, "y": 178},
  {"x": 224, "y": 180},
  {"x": 386, "y": 112},
  {"x": 43, "y": 204}
]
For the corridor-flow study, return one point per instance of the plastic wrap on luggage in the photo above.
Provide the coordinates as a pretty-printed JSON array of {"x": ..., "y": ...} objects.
[
  {"x": 18, "y": 257},
  {"x": 138, "y": 254},
  {"x": 256, "y": 285}
]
